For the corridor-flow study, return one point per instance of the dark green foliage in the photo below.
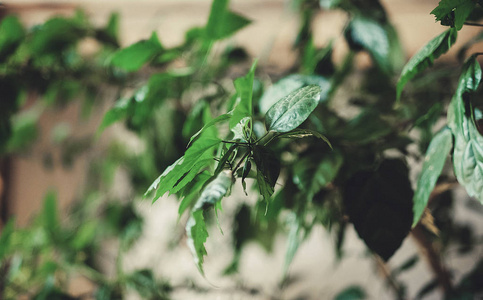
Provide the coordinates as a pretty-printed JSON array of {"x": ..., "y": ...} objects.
[{"x": 379, "y": 204}]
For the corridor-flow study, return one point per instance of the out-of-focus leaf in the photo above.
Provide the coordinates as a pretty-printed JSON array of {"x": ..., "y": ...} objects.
[
  {"x": 379, "y": 204},
  {"x": 110, "y": 33},
  {"x": 24, "y": 130},
  {"x": 425, "y": 57},
  {"x": 470, "y": 285},
  {"x": 144, "y": 282},
  {"x": 301, "y": 133},
  {"x": 329, "y": 4},
  {"x": 50, "y": 214},
  {"x": 289, "y": 84},
  {"x": 427, "y": 288},
  {"x": 292, "y": 110},
  {"x": 132, "y": 58},
  {"x": 223, "y": 23},
  {"x": 11, "y": 35},
  {"x": 5, "y": 238},
  {"x": 364, "y": 33},
  {"x": 434, "y": 160},
  {"x": 453, "y": 12},
  {"x": 55, "y": 35},
  {"x": 408, "y": 264},
  {"x": 85, "y": 235},
  {"x": 351, "y": 293},
  {"x": 367, "y": 127},
  {"x": 244, "y": 88},
  {"x": 115, "y": 114},
  {"x": 315, "y": 171},
  {"x": 468, "y": 149},
  {"x": 294, "y": 239},
  {"x": 197, "y": 235}
]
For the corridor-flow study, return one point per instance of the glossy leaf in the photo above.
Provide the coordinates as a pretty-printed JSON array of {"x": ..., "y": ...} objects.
[
  {"x": 468, "y": 144},
  {"x": 289, "y": 84},
  {"x": 244, "y": 87},
  {"x": 453, "y": 12},
  {"x": 434, "y": 160},
  {"x": 425, "y": 57},
  {"x": 132, "y": 58},
  {"x": 369, "y": 35},
  {"x": 292, "y": 110},
  {"x": 215, "y": 190},
  {"x": 11, "y": 35},
  {"x": 223, "y": 23},
  {"x": 197, "y": 235}
]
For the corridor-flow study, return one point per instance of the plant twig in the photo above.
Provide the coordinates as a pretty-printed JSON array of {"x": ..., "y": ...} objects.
[
  {"x": 473, "y": 24},
  {"x": 433, "y": 257},
  {"x": 386, "y": 272}
]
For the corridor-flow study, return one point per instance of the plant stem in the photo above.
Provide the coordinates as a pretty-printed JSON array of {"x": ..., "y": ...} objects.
[
  {"x": 473, "y": 24},
  {"x": 433, "y": 257},
  {"x": 240, "y": 161},
  {"x": 386, "y": 272}
]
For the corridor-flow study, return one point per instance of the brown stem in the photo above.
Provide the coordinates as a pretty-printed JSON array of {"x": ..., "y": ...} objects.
[
  {"x": 433, "y": 257},
  {"x": 386, "y": 272}
]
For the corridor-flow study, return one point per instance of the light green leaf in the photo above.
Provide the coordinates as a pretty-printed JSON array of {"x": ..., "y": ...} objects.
[
  {"x": 223, "y": 23},
  {"x": 135, "y": 56},
  {"x": 6, "y": 237},
  {"x": 289, "y": 84},
  {"x": 50, "y": 214},
  {"x": 191, "y": 192},
  {"x": 197, "y": 235},
  {"x": 244, "y": 87},
  {"x": 292, "y": 110},
  {"x": 215, "y": 190},
  {"x": 184, "y": 169},
  {"x": 115, "y": 114},
  {"x": 434, "y": 160},
  {"x": 372, "y": 37},
  {"x": 11, "y": 35},
  {"x": 219, "y": 119},
  {"x": 468, "y": 144},
  {"x": 294, "y": 239},
  {"x": 425, "y": 57},
  {"x": 460, "y": 8}
]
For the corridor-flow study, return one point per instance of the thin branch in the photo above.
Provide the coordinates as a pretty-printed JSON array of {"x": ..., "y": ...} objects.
[
  {"x": 386, "y": 272},
  {"x": 473, "y": 24}
]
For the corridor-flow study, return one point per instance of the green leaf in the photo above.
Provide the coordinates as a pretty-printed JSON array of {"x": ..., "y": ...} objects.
[
  {"x": 223, "y": 23},
  {"x": 366, "y": 127},
  {"x": 292, "y": 110},
  {"x": 11, "y": 35},
  {"x": 197, "y": 235},
  {"x": 468, "y": 149},
  {"x": 215, "y": 190},
  {"x": 434, "y": 160},
  {"x": 115, "y": 114},
  {"x": 50, "y": 215},
  {"x": 191, "y": 192},
  {"x": 299, "y": 133},
  {"x": 219, "y": 119},
  {"x": 370, "y": 35},
  {"x": 177, "y": 175},
  {"x": 294, "y": 239},
  {"x": 351, "y": 293},
  {"x": 6, "y": 237},
  {"x": 453, "y": 12},
  {"x": 135, "y": 56},
  {"x": 315, "y": 171},
  {"x": 425, "y": 57},
  {"x": 85, "y": 235},
  {"x": 244, "y": 87},
  {"x": 289, "y": 84}
]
